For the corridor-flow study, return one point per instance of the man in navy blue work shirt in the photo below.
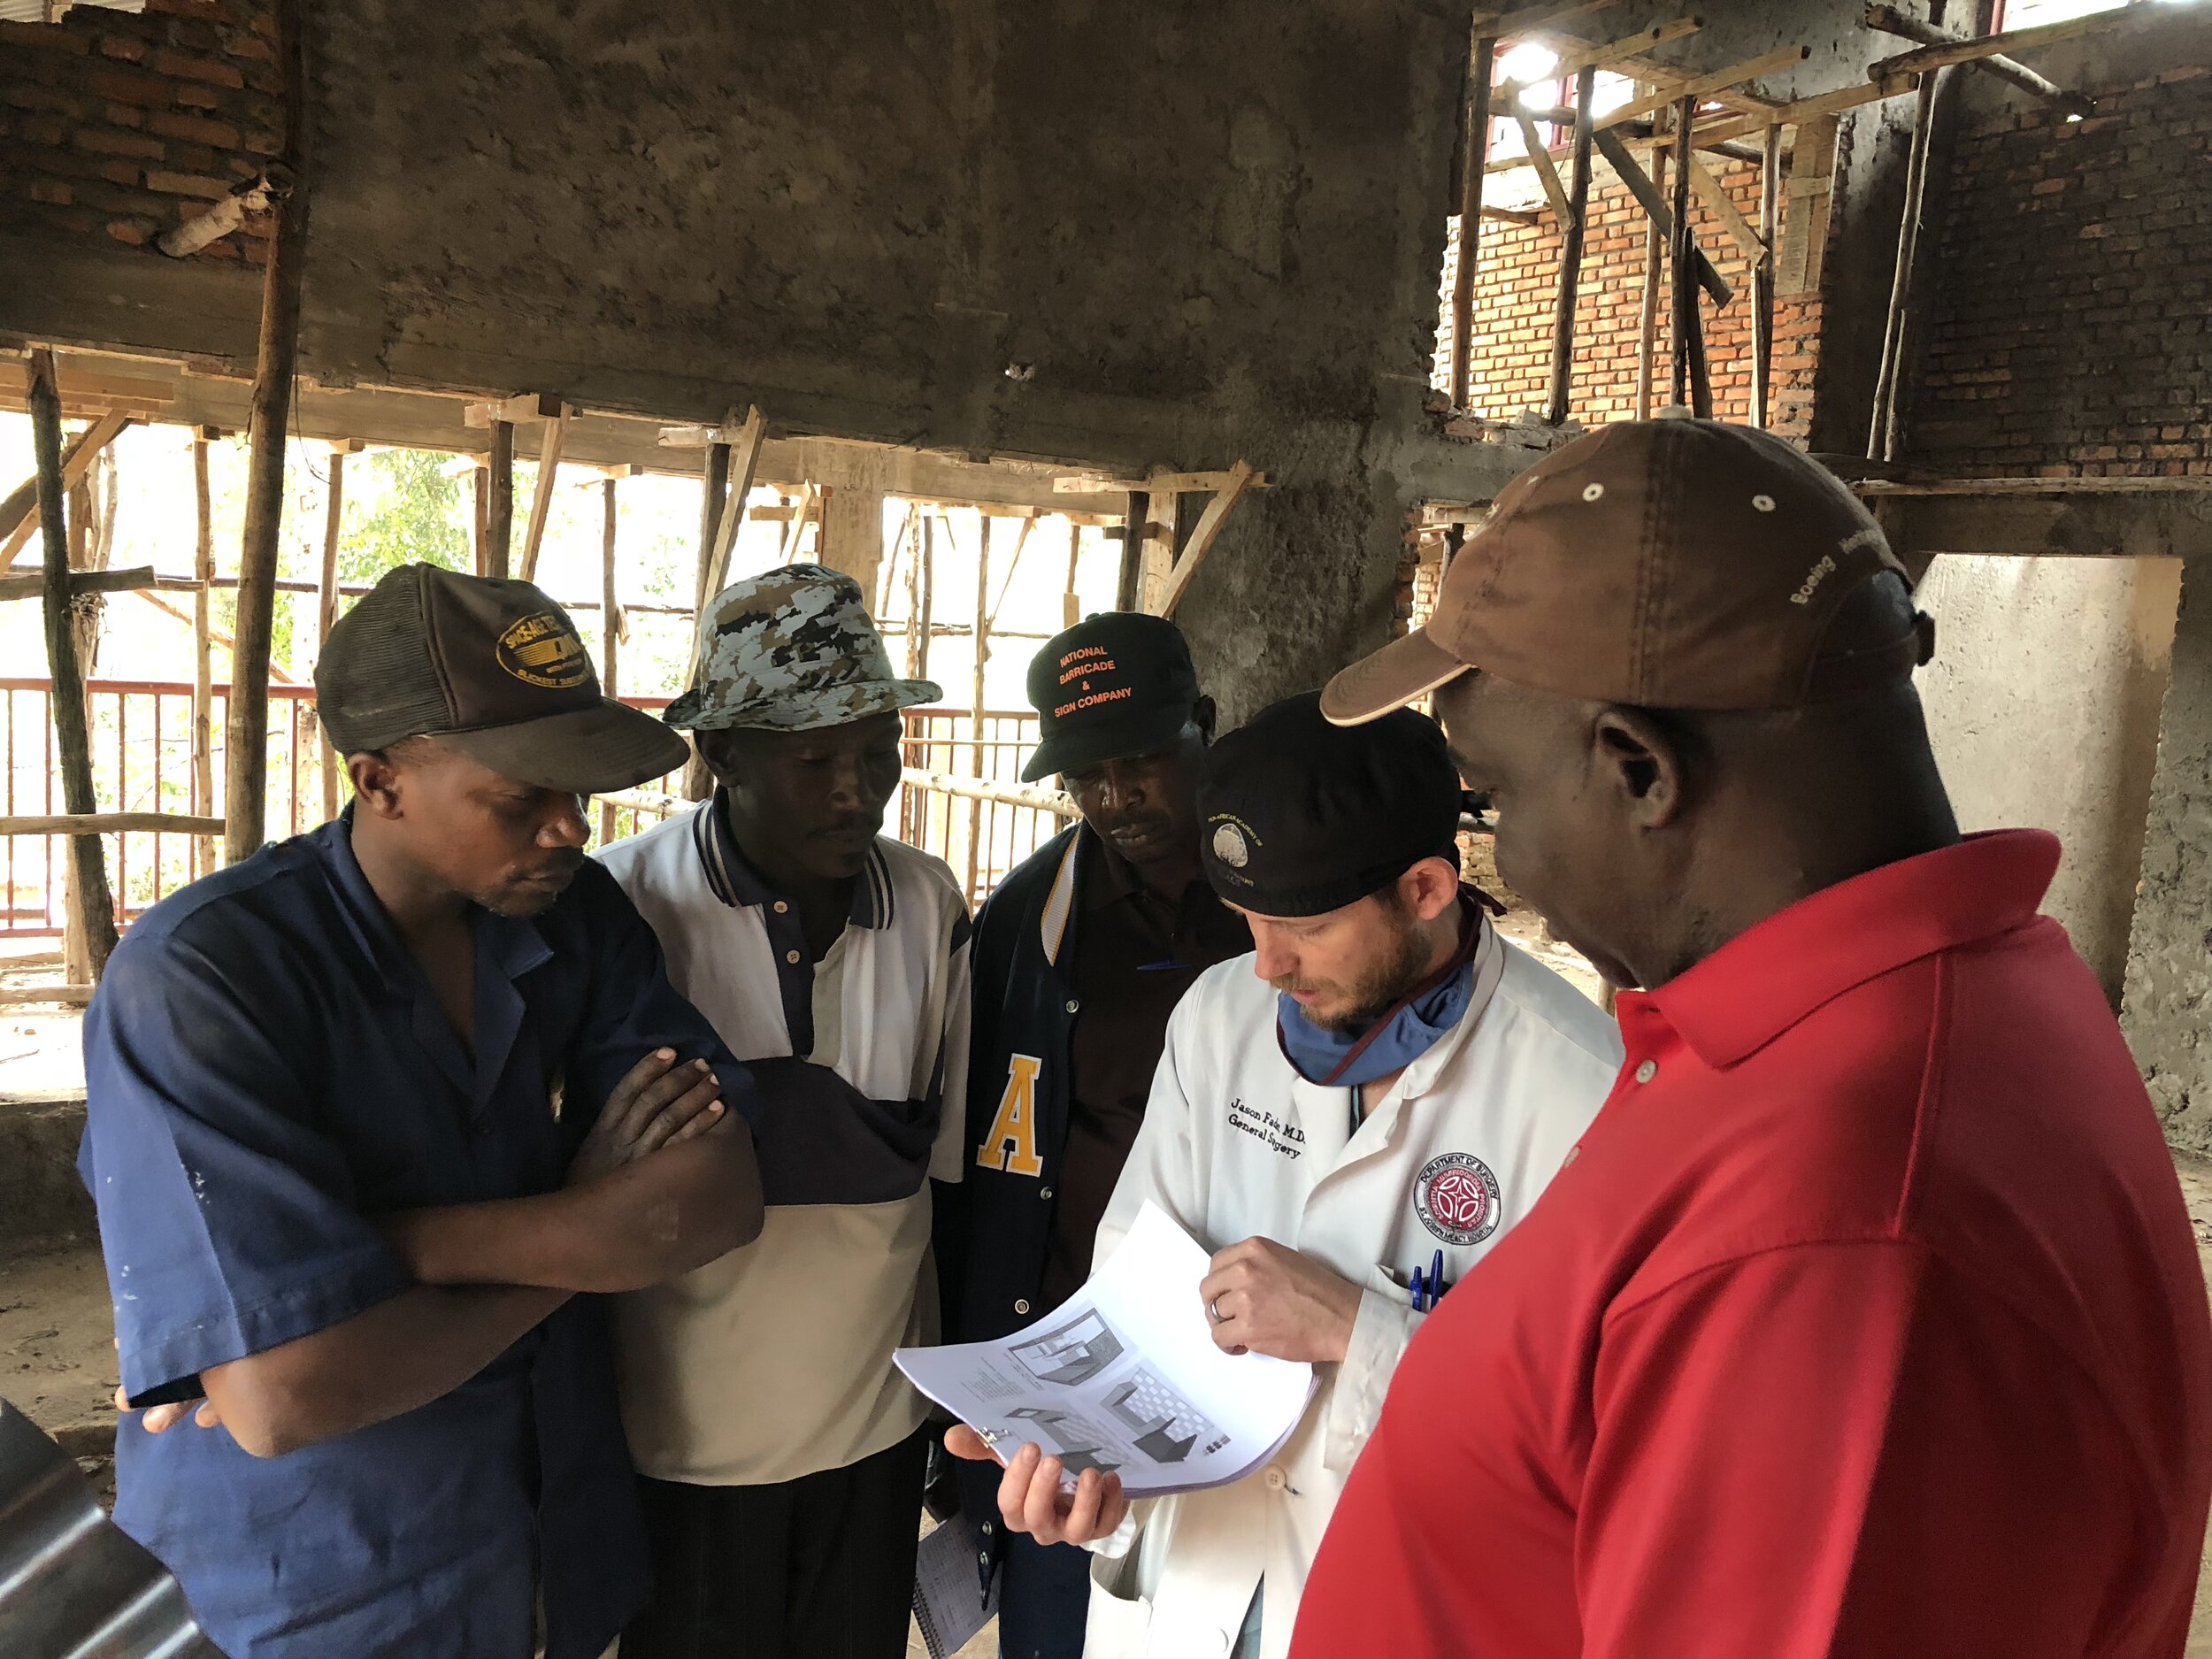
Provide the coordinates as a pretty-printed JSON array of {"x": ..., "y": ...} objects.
[{"x": 366, "y": 1112}]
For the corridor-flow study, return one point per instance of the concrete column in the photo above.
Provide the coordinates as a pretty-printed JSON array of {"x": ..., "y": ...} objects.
[{"x": 2167, "y": 1013}]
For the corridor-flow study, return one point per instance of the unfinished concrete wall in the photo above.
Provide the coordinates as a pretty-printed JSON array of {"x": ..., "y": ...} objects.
[
  {"x": 2043, "y": 703},
  {"x": 2168, "y": 1013}
]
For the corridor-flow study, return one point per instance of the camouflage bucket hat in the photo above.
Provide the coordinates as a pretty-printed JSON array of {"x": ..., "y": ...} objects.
[{"x": 789, "y": 651}]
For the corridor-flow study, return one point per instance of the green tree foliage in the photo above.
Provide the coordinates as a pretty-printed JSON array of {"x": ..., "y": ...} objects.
[{"x": 409, "y": 513}]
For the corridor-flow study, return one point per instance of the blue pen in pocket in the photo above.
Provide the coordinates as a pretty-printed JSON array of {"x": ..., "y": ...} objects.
[{"x": 1428, "y": 1293}]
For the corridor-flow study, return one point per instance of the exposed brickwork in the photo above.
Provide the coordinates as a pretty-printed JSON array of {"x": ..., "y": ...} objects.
[
  {"x": 1517, "y": 284},
  {"x": 120, "y": 125},
  {"x": 2070, "y": 333}
]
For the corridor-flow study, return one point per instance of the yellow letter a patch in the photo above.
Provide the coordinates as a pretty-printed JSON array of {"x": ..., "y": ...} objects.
[{"x": 1011, "y": 1144}]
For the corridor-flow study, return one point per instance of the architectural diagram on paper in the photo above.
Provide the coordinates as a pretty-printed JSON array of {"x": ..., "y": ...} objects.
[
  {"x": 1070, "y": 1353},
  {"x": 1125, "y": 1378}
]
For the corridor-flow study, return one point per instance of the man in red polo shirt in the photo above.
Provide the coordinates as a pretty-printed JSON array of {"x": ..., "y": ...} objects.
[{"x": 1866, "y": 1317}]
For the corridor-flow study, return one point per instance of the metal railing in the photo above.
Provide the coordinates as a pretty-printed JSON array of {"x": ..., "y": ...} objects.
[
  {"x": 981, "y": 839},
  {"x": 141, "y": 754}
]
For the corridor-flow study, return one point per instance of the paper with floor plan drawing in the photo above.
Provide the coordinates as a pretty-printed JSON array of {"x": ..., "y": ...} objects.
[{"x": 1125, "y": 1378}]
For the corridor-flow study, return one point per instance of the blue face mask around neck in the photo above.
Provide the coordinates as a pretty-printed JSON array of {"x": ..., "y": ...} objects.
[{"x": 1338, "y": 1059}]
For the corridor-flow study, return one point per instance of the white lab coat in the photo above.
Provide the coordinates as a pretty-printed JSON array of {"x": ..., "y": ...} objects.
[{"x": 1508, "y": 1092}]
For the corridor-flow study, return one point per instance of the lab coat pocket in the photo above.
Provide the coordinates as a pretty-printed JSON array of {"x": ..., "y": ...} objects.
[{"x": 1120, "y": 1620}]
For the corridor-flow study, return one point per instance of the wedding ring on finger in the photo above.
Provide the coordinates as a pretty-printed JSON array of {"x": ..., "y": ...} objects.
[{"x": 1213, "y": 1310}]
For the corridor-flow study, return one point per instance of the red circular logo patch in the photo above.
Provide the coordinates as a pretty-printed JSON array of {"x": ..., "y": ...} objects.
[{"x": 1456, "y": 1198}]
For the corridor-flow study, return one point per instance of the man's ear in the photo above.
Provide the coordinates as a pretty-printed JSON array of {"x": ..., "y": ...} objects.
[
  {"x": 1640, "y": 760},
  {"x": 1203, "y": 714},
  {"x": 375, "y": 782},
  {"x": 1430, "y": 888}
]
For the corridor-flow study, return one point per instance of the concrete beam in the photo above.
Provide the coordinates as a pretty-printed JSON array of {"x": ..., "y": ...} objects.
[
  {"x": 427, "y": 421},
  {"x": 2096, "y": 524}
]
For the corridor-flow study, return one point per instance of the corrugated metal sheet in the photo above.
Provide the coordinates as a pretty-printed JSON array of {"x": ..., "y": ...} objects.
[
  {"x": 47, "y": 11},
  {"x": 72, "y": 1586}
]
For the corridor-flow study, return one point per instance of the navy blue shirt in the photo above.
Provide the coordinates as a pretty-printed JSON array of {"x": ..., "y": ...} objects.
[{"x": 268, "y": 1070}]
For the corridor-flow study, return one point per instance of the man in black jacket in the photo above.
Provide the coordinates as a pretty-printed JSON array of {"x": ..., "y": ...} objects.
[{"x": 1078, "y": 958}]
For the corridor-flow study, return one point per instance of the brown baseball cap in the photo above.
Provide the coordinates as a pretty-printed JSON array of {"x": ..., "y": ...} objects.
[
  {"x": 1674, "y": 564},
  {"x": 491, "y": 668}
]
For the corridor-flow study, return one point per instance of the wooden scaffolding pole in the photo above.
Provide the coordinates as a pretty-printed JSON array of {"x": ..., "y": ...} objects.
[
  {"x": 246, "y": 724},
  {"x": 1883, "y": 427},
  {"x": 91, "y": 905},
  {"x": 542, "y": 498},
  {"x": 1563, "y": 337},
  {"x": 326, "y": 614},
  {"x": 924, "y": 617},
  {"x": 1692, "y": 385},
  {"x": 1474, "y": 157},
  {"x": 714, "y": 493},
  {"x": 481, "y": 499},
  {"x": 1070, "y": 603},
  {"x": 499, "y": 512},
  {"x": 714, "y": 568},
  {"x": 203, "y": 651},
  {"x": 1763, "y": 278},
  {"x": 611, "y": 625},
  {"x": 917, "y": 624},
  {"x": 1647, "y": 319}
]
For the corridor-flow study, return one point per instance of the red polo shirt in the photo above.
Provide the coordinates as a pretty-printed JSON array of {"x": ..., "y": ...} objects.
[{"x": 1866, "y": 1321}]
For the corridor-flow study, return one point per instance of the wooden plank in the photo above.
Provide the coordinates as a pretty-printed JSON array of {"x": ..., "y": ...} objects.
[
  {"x": 1576, "y": 56},
  {"x": 1171, "y": 483},
  {"x": 1807, "y": 196},
  {"x": 202, "y": 654},
  {"x": 983, "y": 789},
  {"x": 1802, "y": 112},
  {"x": 1546, "y": 175},
  {"x": 1890, "y": 21},
  {"x": 541, "y": 497},
  {"x": 1203, "y": 537},
  {"x": 31, "y": 584},
  {"x": 326, "y": 616},
  {"x": 744, "y": 461},
  {"x": 523, "y": 406},
  {"x": 1923, "y": 60},
  {"x": 1718, "y": 202},
  {"x": 97, "y": 823},
  {"x": 91, "y": 905},
  {"x": 61, "y": 995},
  {"x": 18, "y": 514}
]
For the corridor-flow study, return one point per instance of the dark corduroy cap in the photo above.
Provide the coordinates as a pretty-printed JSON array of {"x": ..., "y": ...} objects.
[{"x": 493, "y": 669}]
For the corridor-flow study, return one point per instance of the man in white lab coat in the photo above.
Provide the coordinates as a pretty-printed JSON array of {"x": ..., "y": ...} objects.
[{"x": 1350, "y": 1118}]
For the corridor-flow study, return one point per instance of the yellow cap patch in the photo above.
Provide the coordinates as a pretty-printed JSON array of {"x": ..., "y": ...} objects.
[{"x": 543, "y": 650}]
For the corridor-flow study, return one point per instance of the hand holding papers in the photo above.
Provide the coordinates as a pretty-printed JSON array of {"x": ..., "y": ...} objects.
[{"x": 1125, "y": 1378}]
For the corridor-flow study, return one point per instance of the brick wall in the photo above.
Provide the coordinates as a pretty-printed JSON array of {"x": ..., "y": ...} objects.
[
  {"x": 2069, "y": 336},
  {"x": 122, "y": 124},
  {"x": 1517, "y": 285}
]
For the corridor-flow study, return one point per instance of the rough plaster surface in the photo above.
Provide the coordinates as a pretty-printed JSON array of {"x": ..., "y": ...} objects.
[
  {"x": 2168, "y": 1013},
  {"x": 2042, "y": 705}
]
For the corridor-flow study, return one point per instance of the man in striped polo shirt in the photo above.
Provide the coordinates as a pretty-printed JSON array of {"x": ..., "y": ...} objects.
[{"x": 781, "y": 1452}]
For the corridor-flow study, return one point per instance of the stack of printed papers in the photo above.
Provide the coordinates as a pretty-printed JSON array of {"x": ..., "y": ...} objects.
[{"x": 1125, "y": 1378}]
